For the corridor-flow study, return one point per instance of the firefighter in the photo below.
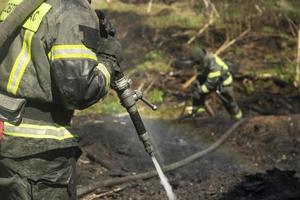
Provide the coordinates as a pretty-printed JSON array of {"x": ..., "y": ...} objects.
[
  {"x": 213, "y": 75},
  {"x": 58, "y": 61}
]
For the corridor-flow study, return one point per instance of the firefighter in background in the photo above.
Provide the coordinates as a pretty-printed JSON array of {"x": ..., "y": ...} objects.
[
  {"x": 58, "y": 61},
  {"x": 213, "y": 75}
]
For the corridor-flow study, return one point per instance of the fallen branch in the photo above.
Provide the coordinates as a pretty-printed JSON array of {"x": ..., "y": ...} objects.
[
  {"x": 187, "y": 84},
  {"x": 150, "y": 86},
  {"x": 212, "y": 14},
  {"x": 208, "y": 108},
  {"x": 211, "y": 20},
  {"x": 81, "y": 191},
  {"x": 227, "y": 44},
  {"x": 297, "y": 74},
  {"x": 106, "y": 193},
  {"x": 149, "y": 6}
]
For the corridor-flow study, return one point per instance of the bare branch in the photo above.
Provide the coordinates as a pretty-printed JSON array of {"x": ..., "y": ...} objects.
[
  {"x": 212, "y": 14},
  {"x": 297, "y": 75},
  {"x": 211, "y": 21},
  {"x": 149, "y": 6},
  {"x": 227, "y": 43}
]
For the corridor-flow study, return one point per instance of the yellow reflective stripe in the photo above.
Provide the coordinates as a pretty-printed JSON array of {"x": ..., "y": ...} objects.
[
  {"x": 74, "y": 56},
  {"x": 214, "y": 74},
  {"x": 20, "y": 64},
  {"x": 228, "y": 81},
  {"x": 34, "y": 126},
  {"x": 37, "y": 131},
  {"x": 106, "y": 74},
  {"x": 26, "y": 135},
  {"x": 239, "y": 115},
  {"x": 68, "y": 46},
  {"x": 204, "y": 89},
  {"x": 71, "y": 51},
  {"x": 221, "y": 62},
  {"x": 35, "y": 19}
]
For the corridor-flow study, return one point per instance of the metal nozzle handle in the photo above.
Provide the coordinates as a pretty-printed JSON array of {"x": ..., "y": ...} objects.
[{"x": 148, "y": 103}]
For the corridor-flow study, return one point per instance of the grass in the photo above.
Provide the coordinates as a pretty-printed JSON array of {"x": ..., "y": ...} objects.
[
  {"x": 109, "y": 105},
  {"x": 177, "y": 14},
  {"x": 156, "y": 96},
  {"x": 155, "y": 60}
]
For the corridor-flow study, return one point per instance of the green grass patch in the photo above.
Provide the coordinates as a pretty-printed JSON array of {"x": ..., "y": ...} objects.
[
  {"x": 118, "y": 6},
  {"x": 285, "y": 72},
  {"x": 156, "y": 96},
  {"x": 109, "y": 105},
  {"x": 177, "y": 14},
  {"x": 173, "y": 19},
  {"x": 154, "y": 60}
]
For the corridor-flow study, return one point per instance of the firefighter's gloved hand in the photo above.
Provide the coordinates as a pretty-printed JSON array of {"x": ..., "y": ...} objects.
[
  {"x": 110, "y": 46},
  {"x": 106, "y": 29},
  {"x": 110, "y": 64},
  {"x": 147, "y": 143}
]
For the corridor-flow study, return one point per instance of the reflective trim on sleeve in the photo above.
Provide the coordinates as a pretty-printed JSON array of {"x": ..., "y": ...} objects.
[
  {"x": 228, "y": 81},
  {"x": 204, "y": 89},
  {"x": 221, "y": 62},
  {"x": 76, "y": 51},
  {"x": 238, "y": 115},
  {"x": 37, "y": 131},
  {"x": 214, "y": 74},
  {"x": 20, "y": 64},
  {"x": 106, "y": 74}
]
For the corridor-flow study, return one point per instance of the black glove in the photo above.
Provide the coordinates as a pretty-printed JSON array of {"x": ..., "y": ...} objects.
[
  {"x": 110, "y": 46},
  {"x": 106, "y": 29}
]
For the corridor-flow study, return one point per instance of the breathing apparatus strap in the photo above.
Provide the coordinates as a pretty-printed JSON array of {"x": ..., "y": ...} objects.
[{"x": 17, "y": 18}]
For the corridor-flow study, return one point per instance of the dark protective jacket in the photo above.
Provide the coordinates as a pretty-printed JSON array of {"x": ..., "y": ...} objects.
[
  {"x": 52, "y": 62},
  {"x": 216, "y": 73}
]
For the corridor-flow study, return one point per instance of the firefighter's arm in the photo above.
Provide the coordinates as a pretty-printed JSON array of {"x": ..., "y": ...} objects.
[
  {"x": 213, "y": 77},
  {"x": 81, "y": 75},
  {"x": 212, "y": 81}
]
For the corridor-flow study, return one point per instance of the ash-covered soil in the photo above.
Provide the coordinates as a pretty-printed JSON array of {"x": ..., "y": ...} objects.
[{"x": 260, "y": 160}]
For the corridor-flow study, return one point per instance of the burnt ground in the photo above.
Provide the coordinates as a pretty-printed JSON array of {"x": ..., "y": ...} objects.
[{"x": 259, "y": 161}]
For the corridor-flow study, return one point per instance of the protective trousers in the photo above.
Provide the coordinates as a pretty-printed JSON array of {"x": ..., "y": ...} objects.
[{"x": 45, "y": 176}]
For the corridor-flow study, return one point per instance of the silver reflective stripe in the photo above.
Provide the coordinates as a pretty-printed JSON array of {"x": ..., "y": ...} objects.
[
  {"x": 71, "y": 52},
  {"x": 37, "y": 131}
]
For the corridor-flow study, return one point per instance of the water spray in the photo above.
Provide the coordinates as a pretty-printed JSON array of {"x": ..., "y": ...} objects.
[{"x": 128, "y": 99}]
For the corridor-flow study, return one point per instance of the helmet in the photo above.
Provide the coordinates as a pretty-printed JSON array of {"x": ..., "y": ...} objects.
[{"x": 198, "y": 54}]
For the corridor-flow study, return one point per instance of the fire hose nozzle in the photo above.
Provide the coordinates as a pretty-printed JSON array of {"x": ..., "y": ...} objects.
[{"x": 128, "y": 99}]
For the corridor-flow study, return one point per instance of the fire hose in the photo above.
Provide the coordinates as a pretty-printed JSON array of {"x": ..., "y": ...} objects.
[
  {"x": 128, "y": 99},
  {"x": 84, "y": 190}
]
